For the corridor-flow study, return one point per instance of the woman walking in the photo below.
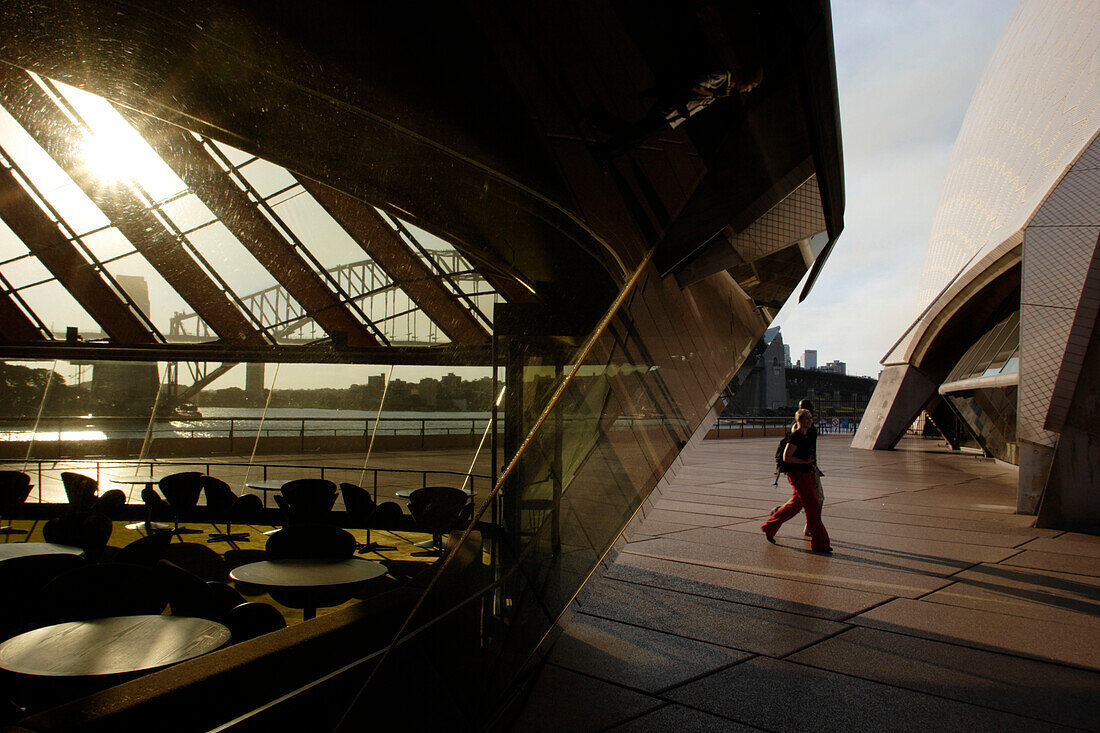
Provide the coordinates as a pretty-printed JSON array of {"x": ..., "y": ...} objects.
[{"x": 801, "y": 474}]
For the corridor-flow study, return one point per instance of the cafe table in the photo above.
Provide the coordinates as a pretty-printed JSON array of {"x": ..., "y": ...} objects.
[
  {"x": 268, "y": 485},
  {"x": 312, "y": 576},
  {"x": 406, "y": 493},
  {"x": 110, "y": 646},
  {"x": 11, "y": 550}
]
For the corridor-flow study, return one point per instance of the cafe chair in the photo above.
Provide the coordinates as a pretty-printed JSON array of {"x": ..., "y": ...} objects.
[
  {"x": 181, "y": 491},
  {"x": 110, "y": 503},
  {"x": 199, "y": 559},
  {"x": 156, "y": 509},
  {"x": 100, "y": 590},
  {"x": 225, "y": 506},
  {"x": 90, "y": 531},
  {"x": 251, "y": 619},
  {"x": 438, "y": 510},
  {"x": 146, "y": 551},
  {"x": 305, "y": 541},
  {"x": 21, "y": 579},
  {"x": 307, "y": 500},
  {"x": 15, "y": 487},
  {"x": 80, "y": 490},
  {"x": 361, "y": 508},
  {"x": 190, "y": 595}
]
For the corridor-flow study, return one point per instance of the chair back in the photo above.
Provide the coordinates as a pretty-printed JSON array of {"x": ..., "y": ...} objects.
[
  {"x": 15, "y": 487},
  {"x": 303, "y": 541},
  {"x": 22, "y": 579},
  {"x": 89, "y": 531},
  {"x": 110, "y": 503},
  {"x": 99, "y": 591},
  {"x": 252, "y": 619},
  {"x": 182, "y": 490},
  {"x": 219, "y": 497},
  {"x": 438, "y": 508},
  {"x": 357, "y": 500},
  {"x": 308, "y": 500},
  {"x": 80, "y": 490},
  {"x": 145, "y": 551}
]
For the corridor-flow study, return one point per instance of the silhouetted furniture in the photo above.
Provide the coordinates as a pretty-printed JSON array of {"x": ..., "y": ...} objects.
[
  {"x": 156, "y": 509},
  {"x": 80, "y": 490},
  {"x": 227, "y": 507},
  {"x": 111, "y": 645},
  {"x": 110, "y": 503},
  {"x": 200, "y": 559},
  {"x": 190, "y": 595},
  {"x": 146, "y": 551},
  {"x": 267, "y": 486},
  {"x": 251, "y": 619},
  {"x": 360, "y": 507},
  {"x": 98, "y": 591},
  {"x": 15, "y": 550},
  {"x": 15, "y": 487},
  {"x": 22, "y": 577},
  {"x": 310, "y": 541},
  {"x": 309, "y": 565},
  {"x": 307, "y": 500},
  {"x": 182, "y": 490},
  {"x": 310, "y": 582},
  {"x": 90, "y": 531},
  {"x": 438, "y": 510}
]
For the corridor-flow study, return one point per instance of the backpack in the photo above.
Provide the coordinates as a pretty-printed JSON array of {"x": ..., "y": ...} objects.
[{"x": 780, "y": 466}]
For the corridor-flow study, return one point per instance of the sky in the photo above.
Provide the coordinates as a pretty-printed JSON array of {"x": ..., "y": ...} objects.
[{"x": 905, "y": 72}]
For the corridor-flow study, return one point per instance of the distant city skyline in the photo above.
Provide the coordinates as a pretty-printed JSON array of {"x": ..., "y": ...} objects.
[{"x": 906, "y": 71}]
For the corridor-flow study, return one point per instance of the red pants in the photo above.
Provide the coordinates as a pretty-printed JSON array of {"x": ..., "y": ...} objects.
[{"x": 803, "y": 498}]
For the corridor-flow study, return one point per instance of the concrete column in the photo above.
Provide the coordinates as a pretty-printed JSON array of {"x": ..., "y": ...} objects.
[{"x": 901, "y": 394}]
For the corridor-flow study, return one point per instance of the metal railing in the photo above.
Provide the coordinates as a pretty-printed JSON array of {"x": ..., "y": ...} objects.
[
  {"x": 77, "y": 428},
  {"x": 371, "y": 478},
  {"x": 739, "y": 427}
]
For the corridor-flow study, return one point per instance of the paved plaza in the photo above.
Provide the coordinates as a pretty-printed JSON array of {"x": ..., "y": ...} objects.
[{"x": 940, "y": 609}]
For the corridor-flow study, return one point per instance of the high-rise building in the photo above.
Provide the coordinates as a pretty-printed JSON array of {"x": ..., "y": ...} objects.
[{"x": 809, "y": 359}]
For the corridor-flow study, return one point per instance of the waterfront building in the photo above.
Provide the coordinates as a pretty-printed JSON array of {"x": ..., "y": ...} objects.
[
  {"x": 1005, "y": 353},
  {"x": 369, "y": 187}
]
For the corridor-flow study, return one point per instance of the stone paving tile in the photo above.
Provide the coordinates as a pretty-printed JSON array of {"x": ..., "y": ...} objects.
[
  {"x": 781, "y": 594},
  {"x": 864, "y": 511},
  {"x": 1078, "y": 545},
  {"x": 940, "y": 609},
  {"x": 563, "y": 700},
  {"x": 1039, "y": 638},
  {"x": 757, "y": 630},
  {"x": 794, "y": 562},
  {"x": 1049, "y": 692},
  {"x": 699, "y": 520},
  {"x": 1061, "y": 597},
  {"x": 1058, "y": 562},
  {"x": 682, "y": 720},
  {"x": 778, "y": 695},
  {"x": 637, "y": 657},
  {"x": 918, "y": 554}
]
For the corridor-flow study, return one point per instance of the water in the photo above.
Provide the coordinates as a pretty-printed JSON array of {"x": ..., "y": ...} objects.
[{"x": 244, "y": 421}]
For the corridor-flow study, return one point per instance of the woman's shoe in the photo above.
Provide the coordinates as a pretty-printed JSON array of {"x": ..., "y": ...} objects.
[
  {"x": 823, "y": 550},
  {"x": 768, "y": 537}
]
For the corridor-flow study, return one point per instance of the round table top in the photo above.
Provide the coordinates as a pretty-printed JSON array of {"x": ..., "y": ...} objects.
[
  {"x": 135, "y": 480},
  {"x": 274, "y": 484},
  {"x": 9, "y": 550},
  {"x": 308, "y": 573},
  {"x": 110, "y": 645},
  {"x": 406, "y": 493}
]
